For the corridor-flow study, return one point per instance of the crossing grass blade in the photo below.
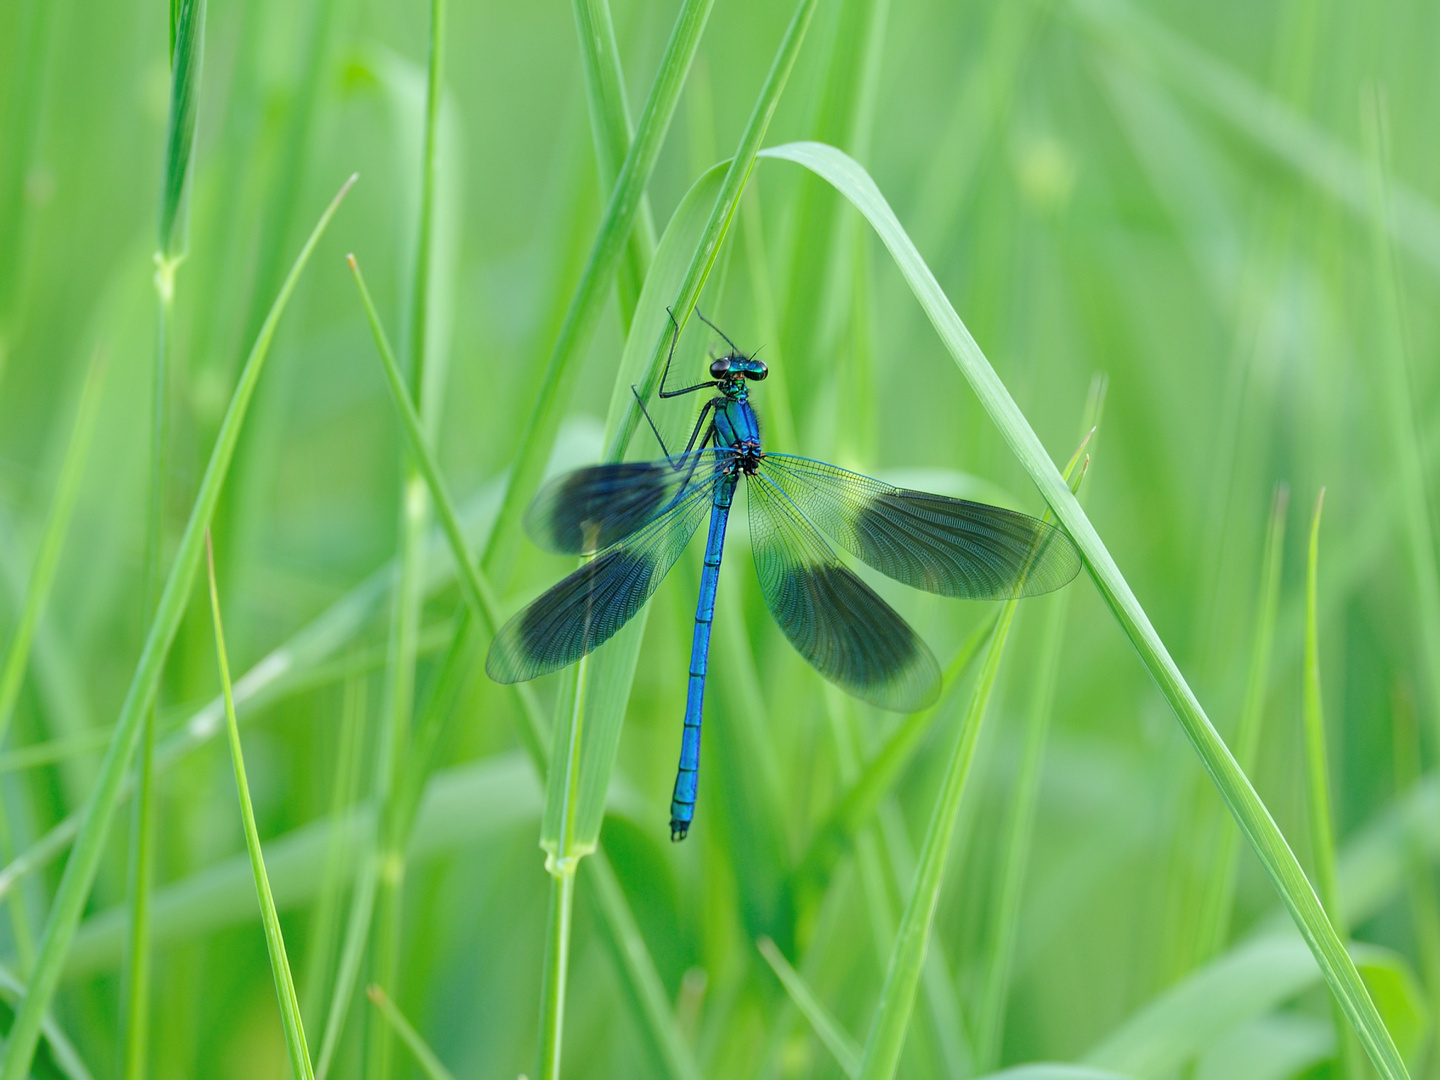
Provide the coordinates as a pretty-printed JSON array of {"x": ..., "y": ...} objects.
[
  {"x": 1250, "y": 813},
  {"x": 836, "y": 1039},
  {"x": 429, "y": 1063},
  {"x": 95, "y": 823},
  {"x": 274, "y": 938}
]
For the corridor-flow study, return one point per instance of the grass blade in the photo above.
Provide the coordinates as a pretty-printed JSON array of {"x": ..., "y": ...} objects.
[
  {"x": 639, "y": 969},
  {"x": 1250, "y": 812},
  {"x": 603, "y": 682},
  {"x": 429, "y": 1063},
  {"x": 990, "y": 1017},
  {"x": 84, "y": 858},
  {"x": 836, "y": 1039},
  {"x": 1397, "y": 392},
  {"x": 47, "y": 557},
  {"x": 1214, "y": 926},
  {"x": 897, "y": 998},
  {"x": 612, "y": 130},
  {"x": 558, "y": 380},
  {"x": 274, "y": 939}
]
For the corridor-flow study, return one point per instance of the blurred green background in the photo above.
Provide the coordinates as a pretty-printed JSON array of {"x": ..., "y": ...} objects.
[{"x": 1191, "y": 206}]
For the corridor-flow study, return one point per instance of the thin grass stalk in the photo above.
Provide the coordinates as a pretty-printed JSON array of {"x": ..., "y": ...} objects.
[
  {"x": 1398, "y": 394},
  {"x": 1234, "y": 786},
  {"x": 187, "y": 50},
  {"x": 1214, "y": 924},
  {"x": 1348, "y": 1060},
  {"x": 837, "y": 1040},
  {"x": 995, "y": 992},
  {"x": 639, "y": 968},
  {"x": 352, "y": 955},
  {"x": 897, "y": 997},
  {"x": 561, "y": 370},
  {"x": 415, "y": 518},
  {"x": 611, "y": 129},
  {"x": 431, "y": 1065},
  {"x": 274, "y": 939},
  {"x": 94, "y": 824}
]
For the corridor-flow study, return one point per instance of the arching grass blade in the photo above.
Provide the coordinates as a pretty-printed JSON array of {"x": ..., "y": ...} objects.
[{"x": 1234, "y": 787}]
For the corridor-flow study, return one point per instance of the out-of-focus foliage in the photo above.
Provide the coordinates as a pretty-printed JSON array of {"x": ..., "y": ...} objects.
[{"x": 1230, "y": 211}]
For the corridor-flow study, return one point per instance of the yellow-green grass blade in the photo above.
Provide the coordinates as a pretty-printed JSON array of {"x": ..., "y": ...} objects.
[
  {"x": 611, "y": 129},
  {"x": 621, "y": 212},
  {"x": 430, "y": 1065},
  {"x": 1254, "y": 819},
  {"x": 269, "y": 918},
  {"x": 85, "y": 856},
  {"x": 836, "y": 1039}
]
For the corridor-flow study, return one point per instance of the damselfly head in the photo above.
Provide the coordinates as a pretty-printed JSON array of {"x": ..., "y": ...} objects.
[{"x": 735, "y": 367}]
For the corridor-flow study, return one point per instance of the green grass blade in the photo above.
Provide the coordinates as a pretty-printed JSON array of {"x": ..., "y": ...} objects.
[
  {"x": 1397, "y": 390},
  {"x": 886, "y": 1039},
  {"x": 1048, "y": 1071},
  {"x": 592, "y": 702},
  {"x": 642, "y": 978},
  {"x": 990, "y": 1017},
  {"x": 726, "y": 203},
  {"x": 1250, "y": 812},
  {"x": 1317, "y": 774},
  {"x": 611, "y": 128},
  {"x": 62, "y": 1050},
  {"x": 561, "y": 370},
  {"x": 1219, "y": 901},
  {"x": 429, "y": 1063},
  {"x": 186, "y": 54},
  {"x": 880, "y": 774},
  {"x": 836, "y": 1039},
  {"x": 274, "y": 939},
  {"x": 89, "y": 842},
  {"x": 47, "y": 557}
]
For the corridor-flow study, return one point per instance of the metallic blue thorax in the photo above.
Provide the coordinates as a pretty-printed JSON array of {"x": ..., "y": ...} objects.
[{"x": 736, "y": 425}]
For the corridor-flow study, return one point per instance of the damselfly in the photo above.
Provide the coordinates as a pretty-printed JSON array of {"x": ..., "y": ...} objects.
[{"x": 637, "y": 517}]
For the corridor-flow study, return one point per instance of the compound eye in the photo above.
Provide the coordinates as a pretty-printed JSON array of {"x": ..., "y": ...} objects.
[
  {"x": 758, "y": 372},
  {"x": 720, "y": 368}
]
